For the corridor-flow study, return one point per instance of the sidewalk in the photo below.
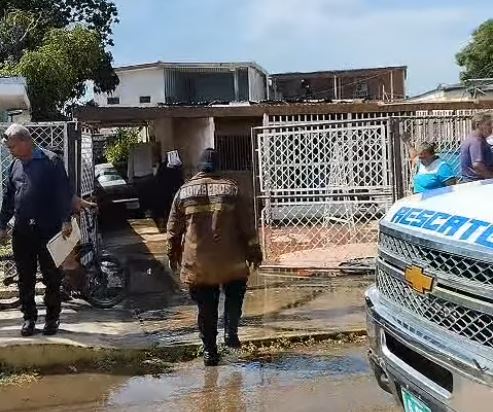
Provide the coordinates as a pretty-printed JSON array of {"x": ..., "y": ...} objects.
[{"x": 274, "y": 308}]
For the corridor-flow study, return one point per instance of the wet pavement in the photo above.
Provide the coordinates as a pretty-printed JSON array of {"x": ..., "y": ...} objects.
[
  {"x": 320, "y": 378},
  {"x": 275, "y": 307}
]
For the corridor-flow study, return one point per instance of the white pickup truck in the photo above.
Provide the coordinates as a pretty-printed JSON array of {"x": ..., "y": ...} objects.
[{"x": 430, "y": 314}]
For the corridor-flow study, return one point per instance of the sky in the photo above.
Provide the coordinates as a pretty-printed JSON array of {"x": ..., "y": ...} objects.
[{"x": 303, "y": 35}]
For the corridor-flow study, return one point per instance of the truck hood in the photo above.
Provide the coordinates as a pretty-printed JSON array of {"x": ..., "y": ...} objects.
[{"x": 461, "y": 214}]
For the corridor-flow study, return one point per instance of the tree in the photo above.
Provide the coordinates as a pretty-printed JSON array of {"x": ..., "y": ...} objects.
[
  {"x": 98, "y": 15},
  {"x": 57, "y": 45},
  {"x": 19, "y": 31},
  {"x": 119, "y": 146},
  {"x": 56, "y": 71},
  {"x": 476, "y": 59}
]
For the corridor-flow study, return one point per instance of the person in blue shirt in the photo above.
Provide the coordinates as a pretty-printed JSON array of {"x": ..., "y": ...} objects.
[
  {"x": 432, "y": 172},
  {"x": 39, "y": 197}
]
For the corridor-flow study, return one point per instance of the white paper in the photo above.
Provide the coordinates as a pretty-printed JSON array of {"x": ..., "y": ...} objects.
[
  {"x": 60, "y": 248},
  {"x": 174, "y": 159}
]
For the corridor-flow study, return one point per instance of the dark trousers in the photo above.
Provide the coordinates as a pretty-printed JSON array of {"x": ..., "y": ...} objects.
[
  {"x": 29, "y": 247},
  {"x": 207, "y": 300}
]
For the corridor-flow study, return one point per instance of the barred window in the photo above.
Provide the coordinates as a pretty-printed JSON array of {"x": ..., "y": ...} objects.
[{"x": 234, "y": 152}]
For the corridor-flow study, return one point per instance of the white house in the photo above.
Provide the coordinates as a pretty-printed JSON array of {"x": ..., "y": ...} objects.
[
  {"x": 162, "y": 83},
  {"x": 455, "y": 92}
]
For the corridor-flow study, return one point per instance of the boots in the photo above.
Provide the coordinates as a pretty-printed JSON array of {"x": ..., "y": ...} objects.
[
  {"x": 211, "y": 355},
  {"x": 51, "y": 327},
  {"x": 235, "y": 293},
  {"x": 232, "y": 341},
  {"x": 28, "y": 328}
]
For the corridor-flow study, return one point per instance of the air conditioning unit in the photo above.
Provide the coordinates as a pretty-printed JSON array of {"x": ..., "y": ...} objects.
[{"x": 13, "y": 94}]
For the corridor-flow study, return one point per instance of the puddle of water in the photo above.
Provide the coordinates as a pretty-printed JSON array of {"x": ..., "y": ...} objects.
[
  {"x": 308, "y": 367},
  {"x": 232, "y": 387}
]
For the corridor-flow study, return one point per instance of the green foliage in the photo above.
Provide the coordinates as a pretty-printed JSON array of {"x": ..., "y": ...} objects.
[
  {"x": 57, "y": 71},
  {"x": 97, "y": 15},
  {"x": 476, "y": 59},
  {"x": 19, "y": 31},
  {"x": 57, "y": 45},
  {"x": 120, "y": 145}
]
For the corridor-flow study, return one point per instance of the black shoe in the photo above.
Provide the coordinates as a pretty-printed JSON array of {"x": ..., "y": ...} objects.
[
  {"x": 65, "y": 295},
  {"x": 28, "y": 328},
  {"x": 211, "y": 357},
  {"x": 232, "y": 341},
  {"x": 51, "y": 327}
]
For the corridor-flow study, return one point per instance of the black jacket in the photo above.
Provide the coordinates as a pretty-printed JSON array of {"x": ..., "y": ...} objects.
[{"x": 37, "y": 191}]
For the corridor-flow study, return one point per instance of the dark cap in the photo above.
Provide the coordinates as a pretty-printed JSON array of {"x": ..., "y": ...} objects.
[{"x": 208, "y": 161}]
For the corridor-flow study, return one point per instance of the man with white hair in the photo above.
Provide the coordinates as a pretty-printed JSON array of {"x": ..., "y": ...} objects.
[{"x": 38, "y": 195}]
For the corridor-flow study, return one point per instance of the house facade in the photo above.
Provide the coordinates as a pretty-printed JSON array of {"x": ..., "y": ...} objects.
[{"x": 155, "y": 84}]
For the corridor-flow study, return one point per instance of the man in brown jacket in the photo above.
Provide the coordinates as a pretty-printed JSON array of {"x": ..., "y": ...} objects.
[{"x": 210, "y": 236}]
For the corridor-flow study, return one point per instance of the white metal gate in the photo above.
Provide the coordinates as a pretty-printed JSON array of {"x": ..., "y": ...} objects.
[
  {"x": 323, "y": 184},
  {"x": 447, "y": 130},
  {"x": 322, "y": 188},
  {"x": 66, "y": 138},
  {"x": 53, "y": 135},
  {"x": 87, "y": 165}
]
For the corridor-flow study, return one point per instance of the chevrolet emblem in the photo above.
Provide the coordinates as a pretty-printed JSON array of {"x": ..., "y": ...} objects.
[{"x": 420, "y": 282}]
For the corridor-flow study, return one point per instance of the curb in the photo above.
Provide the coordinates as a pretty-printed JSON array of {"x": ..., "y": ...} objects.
[
  {"x": 50, "y": 356},
  {"x": 307, "y": 272}
]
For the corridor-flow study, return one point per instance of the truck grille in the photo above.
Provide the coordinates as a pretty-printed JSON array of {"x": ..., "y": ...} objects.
[
  {"x": 471, "y": 324},
  {"x": 463, "y": 267}
]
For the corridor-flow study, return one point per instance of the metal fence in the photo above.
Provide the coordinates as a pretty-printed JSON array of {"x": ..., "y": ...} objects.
[
  {"x": 87, "y": 165},
  {"x": 77, "y": 151},
  {"x": 447, "y": 131},
  {"x": 323, "y": 186},
  {"x": 53, "y": 135},
  {"x": 324, "y": 181},
  {"x": 235, "y": 152}
]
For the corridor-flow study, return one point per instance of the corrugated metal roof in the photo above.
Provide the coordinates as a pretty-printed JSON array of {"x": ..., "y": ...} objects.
[
  {"x": 452, "y": 87},
  {"x": 130, "y": 115},
  {"x": 339, "y": 72},
  {"x": 193, "y": 65}
]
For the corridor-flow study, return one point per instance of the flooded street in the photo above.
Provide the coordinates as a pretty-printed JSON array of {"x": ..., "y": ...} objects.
[{"x": 320, "y": 378}]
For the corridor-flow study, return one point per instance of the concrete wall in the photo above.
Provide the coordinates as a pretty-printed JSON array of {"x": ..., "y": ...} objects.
[
  {"x": 136, "y": 83},
  {"x": 189, "y": 136},
  {"x": 162, "y": 132},
  {"x": 257, "y": 85}
]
